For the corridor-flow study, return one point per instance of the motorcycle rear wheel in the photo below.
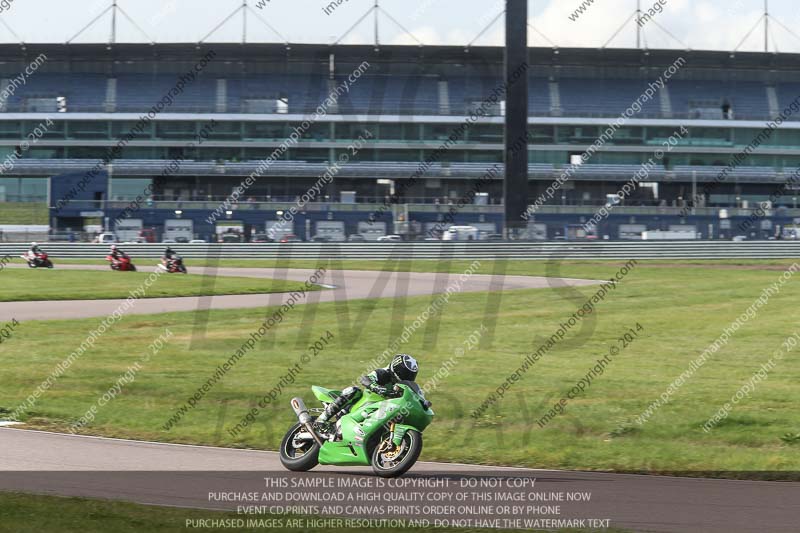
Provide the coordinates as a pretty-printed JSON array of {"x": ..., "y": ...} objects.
[
  {"x": 309, "y": 454},
  {"x": 396, "y": 463}
]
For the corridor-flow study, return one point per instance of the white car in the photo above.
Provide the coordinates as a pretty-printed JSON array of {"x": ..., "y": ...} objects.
[
  {"x": 390, "y": 238},
  {"x": 106, "y": 238}
]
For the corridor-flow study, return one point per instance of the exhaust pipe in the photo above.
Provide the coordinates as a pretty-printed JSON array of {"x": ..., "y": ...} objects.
[{"x": 304, "y": 417}]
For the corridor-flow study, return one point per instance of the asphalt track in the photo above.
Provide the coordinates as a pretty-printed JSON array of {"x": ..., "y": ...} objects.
[
  {"x": 349, "y": 285},
  {"x": 183, "y": 476}
]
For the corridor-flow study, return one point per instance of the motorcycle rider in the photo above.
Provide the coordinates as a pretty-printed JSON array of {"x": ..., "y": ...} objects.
[
  {"x": 34, "y": 253},
  {"x": 117, "y": 253},
  {"x": 381, "y": 381},
  {"x": 169, "y": 257}
]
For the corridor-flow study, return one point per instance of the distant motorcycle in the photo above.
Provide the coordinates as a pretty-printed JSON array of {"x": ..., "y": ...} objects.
[
  {"x": 123, "y": 264},
  {"x": 174, "y": 265},
  {"x": 39, "y": 260}
]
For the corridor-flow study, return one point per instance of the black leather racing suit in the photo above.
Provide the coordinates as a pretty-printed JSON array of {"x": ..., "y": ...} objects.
[{"x": 380, "y": 381}]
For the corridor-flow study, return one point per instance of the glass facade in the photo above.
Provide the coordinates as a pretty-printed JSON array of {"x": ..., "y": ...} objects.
[
  {"x": 401, "y": 141},
  {"x": 29, "y": 189},
  {"x": 243, "y": 132}
]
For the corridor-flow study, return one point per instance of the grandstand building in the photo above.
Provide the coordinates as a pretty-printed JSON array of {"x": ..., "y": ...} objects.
[{"x": 228, "y": 135}]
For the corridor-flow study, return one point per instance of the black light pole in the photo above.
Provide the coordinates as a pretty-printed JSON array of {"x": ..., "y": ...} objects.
[{"x": 515, "y": 185}]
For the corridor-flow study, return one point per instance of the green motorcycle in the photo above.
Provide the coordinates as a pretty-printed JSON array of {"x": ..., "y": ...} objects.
[{"x": 385, "y": 433}]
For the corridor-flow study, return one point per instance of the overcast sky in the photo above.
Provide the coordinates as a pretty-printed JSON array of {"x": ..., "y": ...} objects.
[{"x": 698, "y": 24}]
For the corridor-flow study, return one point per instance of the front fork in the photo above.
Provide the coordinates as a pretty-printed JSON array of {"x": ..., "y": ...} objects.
[{"x": 388, "y": 444}]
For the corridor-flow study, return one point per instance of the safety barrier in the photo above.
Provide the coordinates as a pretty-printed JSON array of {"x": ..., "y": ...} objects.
[{"x": 440, "y": 250}]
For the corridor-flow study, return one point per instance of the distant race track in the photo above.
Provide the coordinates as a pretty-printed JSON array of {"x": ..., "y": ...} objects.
[{"x": 178, "y": 475}]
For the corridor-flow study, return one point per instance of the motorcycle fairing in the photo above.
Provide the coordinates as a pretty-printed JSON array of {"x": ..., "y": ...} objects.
[{"x": 365, "y": 420}]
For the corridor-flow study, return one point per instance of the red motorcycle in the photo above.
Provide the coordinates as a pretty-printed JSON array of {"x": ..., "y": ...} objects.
[
  {"x": 39, "y": 260},
  {"x": 122, "y": 264},
  {"x": 174, "y": 265}
]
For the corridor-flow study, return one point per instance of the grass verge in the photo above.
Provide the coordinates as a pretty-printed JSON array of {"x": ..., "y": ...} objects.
[
  {"x": 44, "y": 284},
  {"x": 682, "y": 311}
]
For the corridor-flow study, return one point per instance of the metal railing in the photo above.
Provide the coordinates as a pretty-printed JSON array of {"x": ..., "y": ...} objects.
[{"x": 663, "y": 250}]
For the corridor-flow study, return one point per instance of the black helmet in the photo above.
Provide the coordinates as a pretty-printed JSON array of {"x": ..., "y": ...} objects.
[{"x": 404, "y": 367}]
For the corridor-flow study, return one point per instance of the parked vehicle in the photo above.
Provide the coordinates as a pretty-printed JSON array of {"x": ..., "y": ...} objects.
[
  {"x": 106, "y": 238},
  {"x": 390, "y": 238},
  {"x": 669, "y": 235},
  {"x": 356, "y": 237},
  {"x": 461, "y": 233},
  {"x": 291, "y": 238},
  {"x": 39, "y": 260}
]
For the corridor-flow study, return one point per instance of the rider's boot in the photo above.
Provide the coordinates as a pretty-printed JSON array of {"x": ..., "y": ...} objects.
[{"x": 341, "y": 403}]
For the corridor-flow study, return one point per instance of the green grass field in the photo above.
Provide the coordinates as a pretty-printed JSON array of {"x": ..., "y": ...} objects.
[
  {"x": 44, "y": 284},
  {"x": 682, "y": 309},
  {"x": 29, "y": 213}
]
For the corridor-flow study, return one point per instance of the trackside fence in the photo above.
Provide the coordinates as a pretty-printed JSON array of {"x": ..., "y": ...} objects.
[{"x": 434, "y": 250}]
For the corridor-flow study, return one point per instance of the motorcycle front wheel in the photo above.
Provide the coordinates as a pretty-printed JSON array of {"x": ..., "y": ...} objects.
[
  {"x": 389, "y": 460},
  {"x": 299, "y": 456}
]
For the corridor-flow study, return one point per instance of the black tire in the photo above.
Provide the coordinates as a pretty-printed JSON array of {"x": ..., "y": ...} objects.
[
  {"x": 183, "y": 269},
  {"x": 303, "y": 463},
  {"x": 133, "y": 267},
  {"x": 413, "y": 443},
  {"x": 48, "y": 264}
]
